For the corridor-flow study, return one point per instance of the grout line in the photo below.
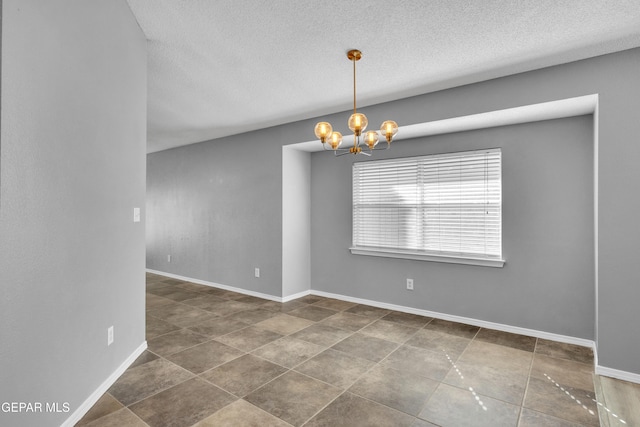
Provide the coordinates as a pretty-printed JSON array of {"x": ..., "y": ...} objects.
[{"x": 526, "y": 387}]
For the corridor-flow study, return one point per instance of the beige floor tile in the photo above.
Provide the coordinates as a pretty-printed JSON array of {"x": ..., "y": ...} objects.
[
  {"x": 312, "y": 312},
  {"x": 417, "y": 361},
  {"x": 350, "y": 410},
  {"x": 565, "y": 372},
  {"x": 217, "y": 326},
  {"x": 321, "y": 335},
  {"x": 389, "y": 331},
  {"x": 182, "y": 405},
  {"x": 293, "y": 397},
  {"x": 498, "y": 357},
  {"x": 520, "y": 342},
  {"x": 531, "y": 418},
  {"x": 565, "y": 351},
  {"x": 229, "y": 307},
  {"x": 205, "y": 356},
  {"x": 174, "y": 342},
  {"x": 157, "y": 327},
  {"x": 407, "y": 319},
  {"x": 282, "y": 307},
  {"x": 335, "y": 368},
  {"x": 250, "y": 299},
  {"x": 181, "y": 314},
  {"x": 145, "y": 357},
  {"x": 205, "y": 302},
  {"x": 120, "y": 418},
  {"x": 366, "y": 347},
  {"x": 497, "y": 383},
  {"x": 193, "y": 287},
  {"x": 241, "y": 414},
  {"x": 347, "y": 321},
  {"x": 335, "y": 304},
  {"x": 285, "y": 324},
  {"x": 369, "y": 311},
  {"x": 252, "y": 316},
  {"x": 453, "y": 328},
  {"x": 288, "y": 352},
  {"x": 455, "y": 407},
  {"x": 620, "y": 401},
  {"x": 310, "y": 299},
  {"x": 145, "y": 380},
  {"x": 243, "y": 375},
  {"x": 562, "y": 401},
  {"x": 154, "y": 301},
  {"x": 106, "y": 405},
  {"x": 400, "y": 390},
  {"x": 439, "y": 341},
  {"x": 174, "y": 293},
  {"x": 248, "y": 339}
]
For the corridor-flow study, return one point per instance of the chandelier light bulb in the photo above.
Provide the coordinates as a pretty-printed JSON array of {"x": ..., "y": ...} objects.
[
  {"x": 323, "y": 130},
  {"x": 358, "y": 123},
  {"x": 371, "y": 139},
  {"x": 389, "y": 129},
  {"x": 335, "y": 139}
]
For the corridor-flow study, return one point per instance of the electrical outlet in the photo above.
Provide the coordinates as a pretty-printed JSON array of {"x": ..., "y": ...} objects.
[
  {"x": 410, "y": 284},
  {"x": 257, "y": 272},
  {"x": 168, "y": 258},
  {"x": 136, "y": 214},
  {"x": 110, "y": 335}
]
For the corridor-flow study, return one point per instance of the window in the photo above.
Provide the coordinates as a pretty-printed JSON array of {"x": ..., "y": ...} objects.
[{"x": 445, "y": 207}]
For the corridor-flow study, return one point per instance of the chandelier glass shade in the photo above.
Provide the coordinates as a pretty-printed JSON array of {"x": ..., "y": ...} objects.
[{"x": 331, "y": 141}]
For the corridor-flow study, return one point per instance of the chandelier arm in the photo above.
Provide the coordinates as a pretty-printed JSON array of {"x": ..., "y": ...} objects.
[
  {"x": 378, "y": 147},
  {"x": 340, "y": 150}
]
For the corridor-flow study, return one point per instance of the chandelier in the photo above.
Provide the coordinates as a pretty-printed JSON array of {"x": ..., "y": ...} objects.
[{"x": 357, "y": 123}]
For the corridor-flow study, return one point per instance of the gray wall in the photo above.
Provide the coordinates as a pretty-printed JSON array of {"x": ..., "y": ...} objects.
[
  {"x": 547, "y": 283},
  {"x": 216, "y": 208},
  {"x": 614, "y": 77},
  {"x": 73, "y": 168}
]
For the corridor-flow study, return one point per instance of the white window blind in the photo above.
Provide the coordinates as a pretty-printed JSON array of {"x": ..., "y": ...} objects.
[{"x": 443, "y": 205}]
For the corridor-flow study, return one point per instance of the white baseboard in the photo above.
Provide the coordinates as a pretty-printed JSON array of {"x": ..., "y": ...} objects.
[
  {"x": 93, "y": 398},
  {"x": 295, "y": 296},
  {"x": 469, "y": 321},
  {"x": 615, "y": 373},
  {"x": 218, "y": 285}
]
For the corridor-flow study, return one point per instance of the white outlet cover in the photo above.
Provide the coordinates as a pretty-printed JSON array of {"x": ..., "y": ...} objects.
[
  {"x": 110, "y": 335},
  {"x": 136, "y": 214},
  {"x": 257, "y": 272}
]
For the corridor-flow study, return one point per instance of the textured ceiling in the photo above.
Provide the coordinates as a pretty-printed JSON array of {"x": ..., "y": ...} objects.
[{"x": 222, "y": 67}]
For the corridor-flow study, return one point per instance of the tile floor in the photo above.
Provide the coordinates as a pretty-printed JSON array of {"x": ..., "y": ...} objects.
[{"x": 219, "y": 358}]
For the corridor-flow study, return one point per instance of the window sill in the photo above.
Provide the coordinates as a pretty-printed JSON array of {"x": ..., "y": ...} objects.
[{"x": 393, "y": 253}]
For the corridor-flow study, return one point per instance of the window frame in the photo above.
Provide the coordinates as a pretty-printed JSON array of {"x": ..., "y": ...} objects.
[{"x": 422, "y": 254}]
